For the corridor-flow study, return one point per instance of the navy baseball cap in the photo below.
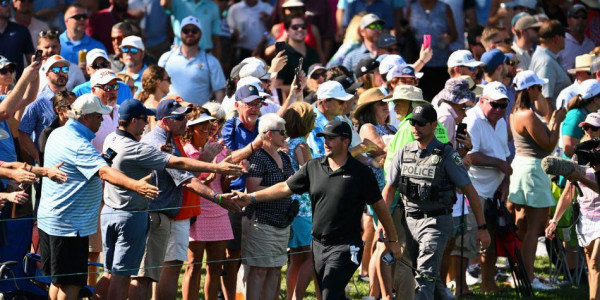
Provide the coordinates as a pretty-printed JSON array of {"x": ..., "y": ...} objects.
[
  {"x": 365, "y": 66},
  {"x": 424, "y": 113},
  {"x": 336, "y": 128},
  {"x": 133, "y": 108},
  {"x": 170, "y": 107},
  {"x": 492, "y": 59},
  {"x": 247, "y": 93},
  {"x": 350, "y": 85}
]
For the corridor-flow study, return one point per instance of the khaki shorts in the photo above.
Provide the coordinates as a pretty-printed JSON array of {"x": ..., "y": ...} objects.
[
  {"x": 264, "y": 245},
  {"x": 156, "y": 246},
  {"x": 178, "y": 241},
  {"x": 470, "y": 247}
]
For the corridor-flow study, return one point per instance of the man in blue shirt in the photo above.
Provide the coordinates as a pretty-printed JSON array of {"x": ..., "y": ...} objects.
[
  {"x": 133, "y": 50},
  {"x": 97, "y": 59},
  {"x": 196, "y": 74},
  {"x": 370, "y": 30},
  {"x": 68, "y": 212},
  {"x": 39, "y": 114},
  {"x": 74, "y": 38},
  {"x": 378, "y": 7}
]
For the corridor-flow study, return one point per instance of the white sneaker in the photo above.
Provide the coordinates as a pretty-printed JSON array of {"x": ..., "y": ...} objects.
[
  {"x": 451, "y": 284},
  {"x": 538, "y": 285},
  {"x": 472, "y": 280}
]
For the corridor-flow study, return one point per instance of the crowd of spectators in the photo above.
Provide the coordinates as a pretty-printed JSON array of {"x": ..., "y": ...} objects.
[{"x": 149, "y": 120}]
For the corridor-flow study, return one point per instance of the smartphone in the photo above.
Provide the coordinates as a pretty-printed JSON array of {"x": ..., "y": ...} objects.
[
  {"x": 388, "y": 258},
  {"x": 38, "y": 56},
  {"x": 562, "y": 104},
  {"x": 461, "y": 129},
  {"x": 427, "y": 41},
  {"x": 109, "y": 155},
  {"x": 300, "y": 61},
  {"x": 279, "y": 46}
]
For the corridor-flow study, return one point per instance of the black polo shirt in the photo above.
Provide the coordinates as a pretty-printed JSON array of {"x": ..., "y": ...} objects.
[
  {"x": 338, "y": 197},
  {"x": 15, "y": 42},
  {"x": 287, "y": 73}
]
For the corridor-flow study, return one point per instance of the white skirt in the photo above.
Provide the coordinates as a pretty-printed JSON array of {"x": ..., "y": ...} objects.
[{"x": 587, "y": 230}]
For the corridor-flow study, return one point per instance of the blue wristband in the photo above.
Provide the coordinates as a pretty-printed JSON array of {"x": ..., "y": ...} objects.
[{"x": 213, "y": 197}]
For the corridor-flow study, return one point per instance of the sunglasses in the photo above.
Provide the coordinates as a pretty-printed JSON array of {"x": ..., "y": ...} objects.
[
  {"x": 416, "y": 123},
  {"x": 317, "y": 75},
  {"x": 79, "y": 17},
  {"x": 46, "y": 33},
  {"x": 375, "y": 26},
  {"x": 57, "y": 70},
  {"x": 472, "y": 69},
  {"x": 580, "y": 17},
  {"x": 177, "y": 117},
  {"x": 257, "y": 104},
  {"x": 102, "y": 65},
  {"x": 282, "y": 132},
  {"x": 500, "y": 105},
  {"x": 588, "y": 127},
  {"x": 190, "y": 31},
  {"x": 298, "y": 27},
  {"x": 130, "y": 49},
  {"x": 9, "y": 69},
  {"x": 109, "y": 87},
  {"x": 513, "y": 63}
]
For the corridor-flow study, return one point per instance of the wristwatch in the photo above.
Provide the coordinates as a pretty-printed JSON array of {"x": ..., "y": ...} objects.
[
  {"x": 482, "y": 227},
  {"x": 253, "y": 199}
]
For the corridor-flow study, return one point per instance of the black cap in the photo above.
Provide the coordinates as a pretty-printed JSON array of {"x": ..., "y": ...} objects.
[
  {"x": 386, "y": 40},
  {"x": 424, "y": 113},
  {"x": 365, "y": 66},
  {"x": 350, "y": 85},
  {"x": 337, "y": 128}
]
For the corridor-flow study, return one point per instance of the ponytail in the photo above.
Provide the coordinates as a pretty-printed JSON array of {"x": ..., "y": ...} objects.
[{"x": 576, "y": 102}]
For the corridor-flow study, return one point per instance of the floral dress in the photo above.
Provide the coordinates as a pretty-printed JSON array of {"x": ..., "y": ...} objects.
[{"x": 302, "y": 225}]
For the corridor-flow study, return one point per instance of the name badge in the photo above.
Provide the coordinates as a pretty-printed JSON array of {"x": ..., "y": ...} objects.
[{"x": 415, "y": 171}]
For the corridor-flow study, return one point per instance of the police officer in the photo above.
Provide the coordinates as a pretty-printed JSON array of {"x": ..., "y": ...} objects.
[{"x": 426, "y": 173}]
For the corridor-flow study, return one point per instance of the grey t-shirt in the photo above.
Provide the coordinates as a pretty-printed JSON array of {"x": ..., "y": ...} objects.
[
  {"x": 136, "y": 160},
  {"x": 168, "y": 181}
]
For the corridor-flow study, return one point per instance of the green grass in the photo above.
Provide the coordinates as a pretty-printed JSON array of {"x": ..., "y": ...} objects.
[{"x": 361, "y": 289}]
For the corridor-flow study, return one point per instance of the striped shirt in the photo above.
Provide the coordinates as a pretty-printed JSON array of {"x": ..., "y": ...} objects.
[{"x": 71, "y": 208}]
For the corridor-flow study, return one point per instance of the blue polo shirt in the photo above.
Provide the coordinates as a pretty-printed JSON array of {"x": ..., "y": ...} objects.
[
  {"x": 123, "y": 93},
  {"x": 317, "y": 144},
  {"x": 7, "y": 146},
  {"x": 70, "y": 50},
  {"x": 38, "y": 115},
  {"x": 169, "y": 181},
  {"x": 71, "y": 208},
  {"x": 353, "y": 57},
  {"x": 137, "y": 79},
  {"x": 15, "y": 42},
  {"x": 194, "y": 79},
  {"x": 237, "y": 136},
  {"x": 205, "y": 10}
]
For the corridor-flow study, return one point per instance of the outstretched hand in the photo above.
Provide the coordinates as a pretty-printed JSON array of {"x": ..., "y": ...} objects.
[
  {"x": 146, "y": 189},
  {"x": 227, "y": 167},
  {"x": 241, "y": 198},
  {"x": 228, "y": 203},
  {"x": 21, "y": 175},
  {"x": 19, "y": 197},
  {"x": 56, "y": 175}
]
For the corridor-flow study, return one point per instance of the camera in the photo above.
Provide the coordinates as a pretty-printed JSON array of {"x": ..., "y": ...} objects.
[{"x": 588, "y": 152}]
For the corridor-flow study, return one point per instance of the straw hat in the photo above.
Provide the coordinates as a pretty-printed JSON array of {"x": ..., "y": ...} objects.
[
  {"x": 582, "y": 63},
  {"x": 367, "y": 97},
  {"x": 407, "y": 93}
]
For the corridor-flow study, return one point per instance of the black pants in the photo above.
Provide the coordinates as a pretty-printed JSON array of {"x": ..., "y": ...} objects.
[{"x": 334, "y": 267}]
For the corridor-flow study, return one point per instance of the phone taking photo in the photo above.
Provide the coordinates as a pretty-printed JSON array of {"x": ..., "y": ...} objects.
[
  {"x": 279, "y": 46},
  {"x": 298, "y": 69},
  {"x": 38, "y": 56},
  {"x": 427, "y": 41}
]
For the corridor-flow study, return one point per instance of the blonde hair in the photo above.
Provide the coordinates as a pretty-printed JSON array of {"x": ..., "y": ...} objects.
[
  {"x": 352, "y": 31},
  {"x": 124, "y": 77}
]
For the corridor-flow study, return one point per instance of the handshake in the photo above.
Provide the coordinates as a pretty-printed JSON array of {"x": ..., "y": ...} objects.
[{"x": 233, "y": 202}]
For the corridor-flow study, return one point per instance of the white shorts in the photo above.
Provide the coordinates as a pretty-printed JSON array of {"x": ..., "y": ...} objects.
[{"x": 178, "y": 241}]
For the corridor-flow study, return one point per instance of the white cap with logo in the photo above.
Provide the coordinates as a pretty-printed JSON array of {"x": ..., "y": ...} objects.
[
  {"x": 495, "y": 90},
  {"x": 102, "y": 76},
  {"x": 462, "y": 58},
  {"x": 191, "y": 20},
  {"x": 527, "y": 78},
  {"x": 52, "y": 60},
  {"x": 255, "y": 70},
  {"x": 133, "y": 41},
  {"x": 89, "y": 104},
  {"x": 589, "y": 89},
  {"x": 389, "y": 62},
  {"x": 93, "y": 54},
  {"x": 332, "y": 90}
]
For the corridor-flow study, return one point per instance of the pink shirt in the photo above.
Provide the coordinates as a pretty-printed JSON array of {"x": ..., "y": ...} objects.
[
  {"x": 209, "y": 209},
  {"x": 447, "y": 116},
  {"x": 589, "y": 202},
  {"x": 110, "y": 123}
]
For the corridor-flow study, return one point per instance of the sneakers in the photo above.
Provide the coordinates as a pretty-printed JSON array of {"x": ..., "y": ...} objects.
[
  {"x": 473, "y": 274},
  {"x": 538, "y": 285},
  {"x": 364, "y": 278}
]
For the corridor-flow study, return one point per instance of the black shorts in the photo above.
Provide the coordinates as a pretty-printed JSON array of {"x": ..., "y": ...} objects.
[{"x": 64, "y": 255}]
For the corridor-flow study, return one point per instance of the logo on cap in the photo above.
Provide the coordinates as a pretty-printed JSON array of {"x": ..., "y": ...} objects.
[
  {"x": 418, "y": 109},
  {"x": 469, "y": 56},
  {"x": 501, "y": 89}
]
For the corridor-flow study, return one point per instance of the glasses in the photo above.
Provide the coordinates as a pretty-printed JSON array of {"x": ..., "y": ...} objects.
[
  {"x": 79, "y": 17},
  {"x": 130, "y": 49},
  {"x": 255, "y": 104},
  {"x": 298, "y": 27},
  {"x": 57, "y": 70},
  {"x": 472, "y": 69},
  {"x": 102, "y": 65},
  {"x": 167, "y": 79},
  {"x": 5, "y": 3},
  {"x": 375, "y": 26},
  {"x": 46, "y": 33},
  {"x": 417, "y": 123},
  {"x": 177, "y": 117},
  {"x": 500, "y": 105},
  {"x": 190, "y": 31},
  {"x": 513, "y": 63},
  {"x": 143, "y": 118},
  {"x": 109, "y": 87},
  {"x": 9, "y": 69},
  {"x": 580, "y": 17},
  {"x": 588, "y": 127},
  {"x": 281, "y": 131},
  {"x": 317, "y": 75}
]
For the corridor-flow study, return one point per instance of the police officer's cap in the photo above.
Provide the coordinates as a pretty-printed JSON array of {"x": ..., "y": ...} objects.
[
  {"x": 424, "y": 113},
  {"x": 336, "y": 128}
]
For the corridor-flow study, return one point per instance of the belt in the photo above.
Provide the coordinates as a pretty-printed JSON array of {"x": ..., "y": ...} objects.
[
  {"x": 331, "y": 241},
  {"x": 429, "y": 214}
]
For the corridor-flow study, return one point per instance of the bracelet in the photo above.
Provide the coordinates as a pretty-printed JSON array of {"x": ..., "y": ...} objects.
[
  {"x": 220, "y": 199},
  {"x": 552, "y": 221},
  {"x": 213, "y": 197},
  {"x": 30, "y": 168},
  {"x": 251, "y": 147},
  {"x": 253, "y": 199}
]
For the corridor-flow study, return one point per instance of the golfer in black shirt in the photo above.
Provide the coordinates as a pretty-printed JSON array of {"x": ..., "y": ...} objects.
[{"x": 339, "y": 187}]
